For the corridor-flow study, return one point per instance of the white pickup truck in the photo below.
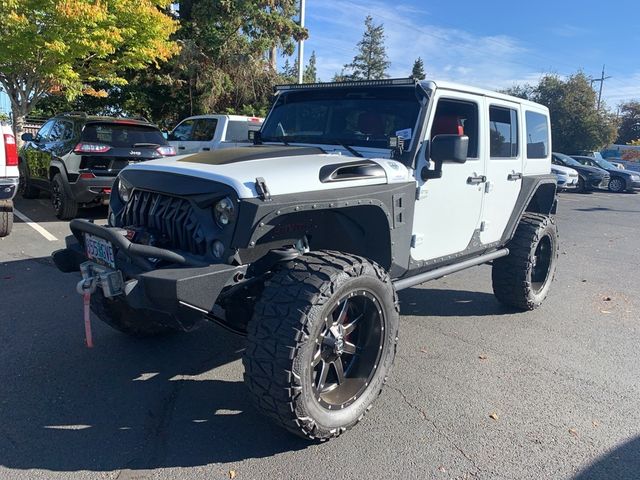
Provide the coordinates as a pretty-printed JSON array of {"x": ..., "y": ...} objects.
[
  {"x": 8, "y": 178},
  {"x": 204, "y": 133}
]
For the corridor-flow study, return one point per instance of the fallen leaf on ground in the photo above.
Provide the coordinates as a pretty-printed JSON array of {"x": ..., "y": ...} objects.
[
  {"x": 423, "y": 350},
  {"x": 232, "y": 474},
  {"x": 573, "y": 432},
  {"x": 493, "y": 416},
  {"x": 606, "y": 299},
  {"x": 595, "y": 424},
  {"x": 482, "y": 357},
  {"x": 605, "y": 311},
  {"x": 442, "y": 469}
]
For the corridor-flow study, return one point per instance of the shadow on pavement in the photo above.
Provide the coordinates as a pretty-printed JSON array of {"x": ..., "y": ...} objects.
[
  {"x": 623, "y": 463},
  {"x": 125, "y": 404},
  {"x": 40, "y": 210},
  {"x": 449, "y": 303}
]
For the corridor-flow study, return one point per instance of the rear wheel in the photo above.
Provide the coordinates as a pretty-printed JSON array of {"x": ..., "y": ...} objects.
[
  {"x": 321, "y": 343},
  {"x": 582, "y": 186},
  {"x": 27, "y": 189},
  {"x": 617, "y": 185},
  {"x": 65, "y": 207},
  {"x": 523, "y": 278},
  {"x": 6, "y": 217}
]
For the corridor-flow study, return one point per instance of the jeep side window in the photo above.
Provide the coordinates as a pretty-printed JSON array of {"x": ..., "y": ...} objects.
[
  {"x": 503, "y": 132},
  {"x": 459, "y": 118},
  {"x": 537, "y": 135}
]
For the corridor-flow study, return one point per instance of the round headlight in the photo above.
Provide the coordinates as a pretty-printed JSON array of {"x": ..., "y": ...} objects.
[
  {"x": 217, "y": 249},
  {"x": 224, "y": 212},
  {"x": 124, "y": 189}
]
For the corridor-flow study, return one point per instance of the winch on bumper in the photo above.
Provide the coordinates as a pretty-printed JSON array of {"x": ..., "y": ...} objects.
[{"x": 177, "y": 295}]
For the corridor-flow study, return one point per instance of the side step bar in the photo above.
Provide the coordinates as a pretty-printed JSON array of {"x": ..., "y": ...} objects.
[{"x": 449, "y": 269}]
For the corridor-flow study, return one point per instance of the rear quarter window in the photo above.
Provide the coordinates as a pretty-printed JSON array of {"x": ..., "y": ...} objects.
[{"x": 537, "y": 135}]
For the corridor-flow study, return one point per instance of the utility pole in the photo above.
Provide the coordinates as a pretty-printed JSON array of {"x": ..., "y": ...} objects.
[
  {"x": 601, "y": 80},
  {"x": 301, "y": 45}
]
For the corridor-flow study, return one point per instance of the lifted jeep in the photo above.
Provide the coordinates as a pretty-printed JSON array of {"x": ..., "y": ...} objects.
[{"x": 352, "y": 192}]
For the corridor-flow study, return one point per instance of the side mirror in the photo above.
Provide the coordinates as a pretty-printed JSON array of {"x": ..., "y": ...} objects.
[
  {"x": 27, "y": 137},
  {"x": 255, "y": 136},
  {"x": 445, "y": 148}
]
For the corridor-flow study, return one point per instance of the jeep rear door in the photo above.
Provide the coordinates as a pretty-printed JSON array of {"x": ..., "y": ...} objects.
[{"x": 504, "y": 166}]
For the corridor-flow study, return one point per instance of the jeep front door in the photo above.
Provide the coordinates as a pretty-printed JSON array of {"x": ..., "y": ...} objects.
[
  {"x": 447, "y": 212},
  {"x": 504, "y": 168}
]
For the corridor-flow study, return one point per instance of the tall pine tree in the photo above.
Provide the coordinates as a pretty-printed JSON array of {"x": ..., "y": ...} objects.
[
  {"x": 371, "y": 62},
  {"x": 310, "y": 74},
  {"x": 417, "y": 72}
]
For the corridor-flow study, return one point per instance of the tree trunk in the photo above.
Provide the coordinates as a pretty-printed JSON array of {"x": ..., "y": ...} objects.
[{"x": 18, "y": 120}]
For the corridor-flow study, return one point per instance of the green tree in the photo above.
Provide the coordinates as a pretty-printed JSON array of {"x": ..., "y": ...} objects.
[
  {"x": 310, "y": 74},
  {"x": 417, "y": 72},
  {"x": 629, "y": 122},
  {"x": 524, "y": 91},
  {"x": 371, "y": 61},
  {"x": 50, "y": 46},
  {"x": 576, "y": 122}
]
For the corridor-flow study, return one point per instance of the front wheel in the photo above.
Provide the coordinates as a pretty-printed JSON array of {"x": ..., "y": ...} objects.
[
  {"x": 523, "y": 278},
  {"x": 321, "y": 343}
]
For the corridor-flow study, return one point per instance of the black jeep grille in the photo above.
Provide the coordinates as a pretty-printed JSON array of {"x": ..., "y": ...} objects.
[{"x": 172, "y": 217}]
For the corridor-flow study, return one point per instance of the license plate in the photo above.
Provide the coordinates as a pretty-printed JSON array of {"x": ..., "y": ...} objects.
[{"x": 99, "y": 250}]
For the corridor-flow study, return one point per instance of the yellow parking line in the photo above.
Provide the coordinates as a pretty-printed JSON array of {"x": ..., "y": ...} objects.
[{"x": 35, "y": 226}]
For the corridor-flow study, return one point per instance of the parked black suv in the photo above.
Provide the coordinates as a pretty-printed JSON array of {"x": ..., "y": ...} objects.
[
  {"x": 77, "y": 157},
  {"x": 590, "y": 178}
]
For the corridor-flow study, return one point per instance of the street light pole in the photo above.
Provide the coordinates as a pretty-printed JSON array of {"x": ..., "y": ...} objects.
[{"x": 301, "y": 45}]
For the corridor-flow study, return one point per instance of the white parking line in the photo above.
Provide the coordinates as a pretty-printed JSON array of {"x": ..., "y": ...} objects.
[{"x": 34, "y": 225}]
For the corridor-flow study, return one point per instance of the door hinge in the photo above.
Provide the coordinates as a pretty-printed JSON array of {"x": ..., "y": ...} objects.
[
  {"x": 483, "y": 226},
  {"x": 488, "y": 187},
  {"x": 416, "y": 240}
]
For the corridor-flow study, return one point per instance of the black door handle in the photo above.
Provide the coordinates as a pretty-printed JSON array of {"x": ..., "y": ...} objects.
[
  {"x": 206, "y": 149},
  {"x": 514, "y": 176},
  {"x": 181, "y": 148},
  {"x": 476, "y": 180}
]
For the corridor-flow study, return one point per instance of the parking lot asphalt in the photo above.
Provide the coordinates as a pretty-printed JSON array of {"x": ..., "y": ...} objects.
[{"x": 477, "y": 391}]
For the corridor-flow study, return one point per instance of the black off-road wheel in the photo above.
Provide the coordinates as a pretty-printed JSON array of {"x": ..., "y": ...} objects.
[
  {"x": 321, "y": 343},
  {"x": 65, "y": 207},
  {"x": 6, "y": 217},
  {"x": 523, "y": 278},
  {"x": 135, "y": 323}
]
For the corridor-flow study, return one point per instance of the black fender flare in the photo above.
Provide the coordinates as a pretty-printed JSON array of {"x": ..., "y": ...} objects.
[{"x": 537, "y": 195}]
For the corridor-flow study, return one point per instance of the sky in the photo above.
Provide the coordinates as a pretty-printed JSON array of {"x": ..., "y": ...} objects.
[{"x": 489, "y": 44}]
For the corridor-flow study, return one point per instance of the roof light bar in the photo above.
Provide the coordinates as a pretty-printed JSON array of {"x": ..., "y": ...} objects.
[{"x": 353, "y": 83}]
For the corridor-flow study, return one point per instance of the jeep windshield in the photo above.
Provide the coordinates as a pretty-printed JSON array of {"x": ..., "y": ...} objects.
[{"x": 351, "y": 116}]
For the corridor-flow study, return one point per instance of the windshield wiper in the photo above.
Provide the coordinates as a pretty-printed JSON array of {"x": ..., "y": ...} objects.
[{"x": 349, "y": 148}]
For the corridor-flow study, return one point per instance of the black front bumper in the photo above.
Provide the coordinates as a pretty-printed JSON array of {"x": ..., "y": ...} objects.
[{"x": 181, "y": 291}]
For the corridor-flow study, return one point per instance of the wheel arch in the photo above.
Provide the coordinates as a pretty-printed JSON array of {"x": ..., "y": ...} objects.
[
  {"x": 537, "y": 195},
  {"x": 362, "y": 230}
]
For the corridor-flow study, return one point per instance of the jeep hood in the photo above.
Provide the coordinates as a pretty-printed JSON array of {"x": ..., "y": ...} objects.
[{"x": 286, "y": 170}]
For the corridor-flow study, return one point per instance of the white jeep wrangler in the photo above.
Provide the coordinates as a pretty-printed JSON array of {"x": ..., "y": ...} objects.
[{"x": 352, "y": 192}]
